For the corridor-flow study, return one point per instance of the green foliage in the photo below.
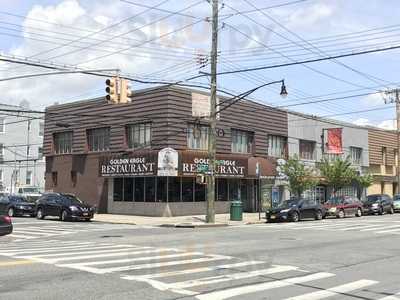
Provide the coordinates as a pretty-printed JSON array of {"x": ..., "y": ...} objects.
[
  {"x": 365, "y": 181},
  {"x": 300, "y": 177},
  {"x": 337, "y": 173}
]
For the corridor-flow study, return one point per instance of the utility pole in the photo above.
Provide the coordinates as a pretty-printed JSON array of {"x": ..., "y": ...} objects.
[
  {"x": 213, "y": 117},
  {"x": 393, "y": 96}
]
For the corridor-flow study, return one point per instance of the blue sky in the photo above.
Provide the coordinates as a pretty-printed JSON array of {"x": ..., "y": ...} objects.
[{"x": 29, "y": 28}]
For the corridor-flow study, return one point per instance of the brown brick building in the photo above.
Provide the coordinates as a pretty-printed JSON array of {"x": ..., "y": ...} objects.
[
  {"x": 383, "y": 156},
  {"x": 143, "y": 157}
]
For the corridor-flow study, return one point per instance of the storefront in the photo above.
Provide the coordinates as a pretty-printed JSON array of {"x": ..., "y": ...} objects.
[{"x": 164, "y": 183}]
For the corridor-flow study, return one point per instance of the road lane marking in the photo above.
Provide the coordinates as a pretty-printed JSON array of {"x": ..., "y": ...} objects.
[
  {"x": 335, "y": 291},
  {"x": 197, "y": 270},
  {"x": 152, "y": 265},
  {"x": 122, "y": 252},
  {"x": 16, "y": 263},
  {"x": 389, "y": 231},
  {"x": 46, "y": 249},
  {"x": 380, "y": 227},
  {"x": 259, "y": 287},
  {"x": 231, "y": 277}
]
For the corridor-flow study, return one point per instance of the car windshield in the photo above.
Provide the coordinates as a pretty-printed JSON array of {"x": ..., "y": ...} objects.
[
  {"x": 30, "y": 190},
  {"x": 72, "y": 200},
  {"x": 17, "y": 199},
  {"x": 373, "y": 199},
  {"x": 335, "y": 200},
  {"x": 289, "y": 203}
]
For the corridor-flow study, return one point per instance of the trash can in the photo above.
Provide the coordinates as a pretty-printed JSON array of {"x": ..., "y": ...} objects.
[{"x": 236, "y": 211}]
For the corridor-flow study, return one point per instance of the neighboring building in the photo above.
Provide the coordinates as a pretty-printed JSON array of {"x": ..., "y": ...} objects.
[
  {"x": 383, "y": 160},
  {"x": 305, "y": 140},
  {"x": 143, "y": 157},
  {"x": 21, "y": 148}
]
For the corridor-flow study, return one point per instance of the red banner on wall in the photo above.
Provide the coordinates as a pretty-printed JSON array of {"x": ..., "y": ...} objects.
[{"x": 334, "y": 143}]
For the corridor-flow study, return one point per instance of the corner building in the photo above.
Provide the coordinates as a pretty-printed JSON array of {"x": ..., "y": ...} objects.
[{"x": 142, "y": 157}]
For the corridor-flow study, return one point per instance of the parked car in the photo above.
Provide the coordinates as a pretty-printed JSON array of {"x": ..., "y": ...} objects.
[
  {"x": 396, "y": 203},
  {"x": 13, "y": 206},
  {"x": 65, "y": 206},
  {"x": 343, "y": 206},
  {"x": 6, "y": 226},
  {"x": 296, "y": 209},
  {"x": 31, "y": 193},
  {"x": 378, "y": 204}
]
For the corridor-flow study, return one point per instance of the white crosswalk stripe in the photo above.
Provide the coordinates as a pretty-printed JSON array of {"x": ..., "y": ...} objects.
[{"x": 201, "y": 275}]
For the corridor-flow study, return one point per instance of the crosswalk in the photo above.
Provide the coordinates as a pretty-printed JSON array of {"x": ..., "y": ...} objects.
[
  {"x": 29, "y": 231},
  {"x": 195, "y": 273},
  {"x": 374, "y": 226}
]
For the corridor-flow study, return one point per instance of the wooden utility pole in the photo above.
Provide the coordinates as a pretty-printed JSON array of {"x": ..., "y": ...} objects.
[
  {"x": 213, "y": 117},
  {"x": 393, "y": 96}
]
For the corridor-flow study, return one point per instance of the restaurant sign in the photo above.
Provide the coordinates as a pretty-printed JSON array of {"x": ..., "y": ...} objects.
[
  {"x": 224, "y": 167},
  {"x": 145, "y": 165}
]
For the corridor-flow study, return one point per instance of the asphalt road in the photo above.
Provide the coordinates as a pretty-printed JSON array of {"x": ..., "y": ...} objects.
[{"x": 353, "y": 258}]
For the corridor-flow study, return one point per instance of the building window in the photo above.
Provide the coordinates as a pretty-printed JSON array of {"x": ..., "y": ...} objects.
[
  {"x": 40, "y": 153},
  {"x": 98, "y": 139},
  {"x": 1, "y": 176},
  {"x": 2, "y": 125},
  {"x": 63, "y": 142},
  {"x": 187, "y": 189},
  {"x": 242, "y": 141},
  {"x": 54, "y": 178},
  {"x": 139, "y": 135},
  {"x": 276, "y": 146},
  {"x": 356, "y": 155},
  {"x": 384, "y": 156},
  {"x": 28, "y": 179},
  {"x": 307, "y": 150},
  {"x": 41, "y": 129},
  {"x": 197, "y": 137},
  {"x": 2, "y": 152}
]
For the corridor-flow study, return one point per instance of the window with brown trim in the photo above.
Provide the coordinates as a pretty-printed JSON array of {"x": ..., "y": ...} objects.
[
  {"x": 62, "y": 142},
  {"x": 98, "y": 139}
]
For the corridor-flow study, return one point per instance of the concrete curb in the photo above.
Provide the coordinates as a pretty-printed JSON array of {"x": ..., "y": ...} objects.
[
  {"x": 189, "y": 225},
  {"x": 113, "y": 222}
]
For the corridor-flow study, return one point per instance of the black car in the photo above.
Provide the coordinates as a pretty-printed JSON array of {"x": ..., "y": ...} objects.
[
  {"x": 296, "y": 209},
  {"x": 5, "y": 225},
  {"x": 378, "y": 204},
  {"x": 16, "y": 206},
  {"x": 65, "y": 206}
]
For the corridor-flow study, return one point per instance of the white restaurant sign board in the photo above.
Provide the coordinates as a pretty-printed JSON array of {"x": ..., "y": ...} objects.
[{"x": 201, "y": 105}]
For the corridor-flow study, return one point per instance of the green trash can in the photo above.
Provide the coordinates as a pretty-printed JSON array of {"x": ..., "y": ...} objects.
[{"x": 236, "y": 211}]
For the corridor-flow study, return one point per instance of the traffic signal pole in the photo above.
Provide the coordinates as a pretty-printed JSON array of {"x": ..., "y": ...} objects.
[{"x": 213, "y": 117}]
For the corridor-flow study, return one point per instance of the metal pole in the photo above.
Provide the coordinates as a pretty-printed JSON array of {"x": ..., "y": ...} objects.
[
  {"x": 213, "y": 117},
  {"x": 397, "y": 92}
]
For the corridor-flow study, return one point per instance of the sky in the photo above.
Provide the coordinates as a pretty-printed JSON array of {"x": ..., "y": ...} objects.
[{"x": 153, "y": 45}]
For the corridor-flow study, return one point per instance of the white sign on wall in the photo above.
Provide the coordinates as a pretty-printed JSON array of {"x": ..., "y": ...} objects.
[
  {"x": 167, "y": 162},
  {"x": 201, "y": 105}
]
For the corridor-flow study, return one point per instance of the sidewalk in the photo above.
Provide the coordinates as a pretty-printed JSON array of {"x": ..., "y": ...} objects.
[{"x": 183, "y": 221}]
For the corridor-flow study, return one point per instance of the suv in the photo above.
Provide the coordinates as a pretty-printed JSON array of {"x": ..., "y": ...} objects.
[
  {"x": 343, "y": 206},
  {"x": 65, "y": 206},
  {"x": 30, "y": 193},
  {"x": 378, "y": 204}
]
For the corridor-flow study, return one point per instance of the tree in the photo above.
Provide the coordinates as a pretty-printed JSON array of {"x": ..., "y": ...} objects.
[
  {"x": 363, "y": 182},
  {"x": 299, "y": 176},
  {"x": 337, "y": 173}
]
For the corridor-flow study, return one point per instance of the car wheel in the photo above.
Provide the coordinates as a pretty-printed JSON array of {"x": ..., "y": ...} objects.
[
  {"x": 391, "y": 211},
  {"x": 380, "y": 211},
  {"x": 295, "y": 217},
  {"x": 341, "y": 214},
  {"x": 10, "y": 212},
  {"x": 64, "y": 216},
  {"x": 359, "y": 212},
  {"x": 39, "y": 214},
  {"x": 318, "y": 215},
  {"x": 88, "y": 220}
]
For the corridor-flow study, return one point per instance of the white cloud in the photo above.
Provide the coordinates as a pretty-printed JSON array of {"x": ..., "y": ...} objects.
[
  {"x": 373, "y": 100},
  {"x": 310, "y": 15},
  {"x": 388, "y": 124},
  {"x": 362, "y": 122}
]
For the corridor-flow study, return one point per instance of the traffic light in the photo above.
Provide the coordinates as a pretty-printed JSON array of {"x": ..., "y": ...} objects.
[
  {"x": 112, "y": 90},
  {"x": 126, "y": 92}
]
